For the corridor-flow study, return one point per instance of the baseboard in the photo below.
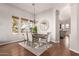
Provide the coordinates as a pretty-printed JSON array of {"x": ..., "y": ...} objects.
[
  {"x": 74, "y": 50},
  {"x": 56, "y": 41},
  {"x": 10, "y": 42},
  {"x": 6, "y": 43},
  {"x": 20, "y": 40}
]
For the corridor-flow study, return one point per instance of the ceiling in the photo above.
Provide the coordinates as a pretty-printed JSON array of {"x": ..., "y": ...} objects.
[
  {"x": 65, "y": 13},
  {"x": 40, "y": 7}
]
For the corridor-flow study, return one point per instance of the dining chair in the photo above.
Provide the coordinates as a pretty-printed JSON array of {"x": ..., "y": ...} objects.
[
  {"x": 44, "y": 40},
  {"x": 30, "y": 39},
  {"x": 24, "y": 37}
]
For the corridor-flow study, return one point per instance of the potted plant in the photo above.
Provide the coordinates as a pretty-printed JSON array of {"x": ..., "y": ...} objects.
[{"x": 34, "y": 29}]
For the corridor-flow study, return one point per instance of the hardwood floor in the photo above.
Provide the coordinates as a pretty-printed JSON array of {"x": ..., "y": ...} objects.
[
  {"x": 59, "y": 50},
  {"x": 14, "y": 49}
]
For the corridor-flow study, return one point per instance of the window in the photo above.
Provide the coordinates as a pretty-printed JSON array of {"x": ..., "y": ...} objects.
[
  {"x": 24, "y": 23},
  {"x": 20, "y": 25},
  {"x": 15, "y": 26}
]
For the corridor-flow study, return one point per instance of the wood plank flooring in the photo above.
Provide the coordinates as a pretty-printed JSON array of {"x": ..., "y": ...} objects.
[
  {"x": 14, "y": 49},
  {"x": 59, "y": 50}
]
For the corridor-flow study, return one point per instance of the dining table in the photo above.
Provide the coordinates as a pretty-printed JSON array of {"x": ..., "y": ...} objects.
[{"x": 37, "y": 37}]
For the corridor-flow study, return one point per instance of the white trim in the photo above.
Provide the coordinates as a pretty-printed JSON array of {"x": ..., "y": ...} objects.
[
  {"x": 5, "y": 43},
  {"x": 56, "y": 41},
  {"x": 74, "y": 50},
  {"x": 9, "y": 42}
]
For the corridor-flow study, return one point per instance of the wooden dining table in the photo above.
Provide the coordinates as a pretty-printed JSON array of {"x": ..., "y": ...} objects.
[{"x": 37, "y": 36}]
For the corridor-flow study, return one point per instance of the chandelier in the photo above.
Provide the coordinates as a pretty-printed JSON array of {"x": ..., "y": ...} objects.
[{"x": 34, "y": 13}]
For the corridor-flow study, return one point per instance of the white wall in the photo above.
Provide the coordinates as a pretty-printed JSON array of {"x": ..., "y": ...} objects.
[
  {"x": 74, "y": 37},
  {"x": 50, "y": 16},
  {"x": 57, "y": 25},
  {"x": 78, "y": 27},
  {"x": 6, "y": 13}
]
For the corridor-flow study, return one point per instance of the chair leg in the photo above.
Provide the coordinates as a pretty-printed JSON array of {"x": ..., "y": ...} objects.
[{"x": 46, "y": 43}]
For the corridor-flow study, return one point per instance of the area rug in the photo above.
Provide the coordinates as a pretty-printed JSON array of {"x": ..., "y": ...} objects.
[{"x": 37, "y": 50}]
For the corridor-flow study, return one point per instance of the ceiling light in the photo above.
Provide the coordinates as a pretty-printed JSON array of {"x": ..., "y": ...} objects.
[{"x": 34, "y": 12}]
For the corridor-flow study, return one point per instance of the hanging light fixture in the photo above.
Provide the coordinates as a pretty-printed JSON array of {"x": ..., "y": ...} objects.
[
  {"x": 34, "y": 12},
  {"x": 34, "y": 28}
]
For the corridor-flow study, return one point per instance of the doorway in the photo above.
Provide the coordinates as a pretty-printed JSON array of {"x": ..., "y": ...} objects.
[{"x": 65, "y": 32}]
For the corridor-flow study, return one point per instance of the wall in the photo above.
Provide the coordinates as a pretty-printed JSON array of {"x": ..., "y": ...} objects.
[
  {"x": 6, "y": 13},
  {"x": 78, "y": 27},
  {"x": 74, "y": 37},
  {"x": 50, "y": 16}
]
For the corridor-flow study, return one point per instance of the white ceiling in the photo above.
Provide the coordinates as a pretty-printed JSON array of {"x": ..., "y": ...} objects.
[
  {"x": 65, "y": 13},
  {"x": 40, "y": 7}
]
